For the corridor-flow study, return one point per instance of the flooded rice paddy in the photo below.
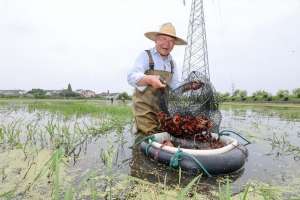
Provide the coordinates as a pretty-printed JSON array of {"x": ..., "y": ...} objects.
[{"x": 51, "y": 149}]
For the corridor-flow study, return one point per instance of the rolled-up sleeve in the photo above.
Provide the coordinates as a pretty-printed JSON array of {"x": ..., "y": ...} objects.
[{"x": 136, "y": 73}]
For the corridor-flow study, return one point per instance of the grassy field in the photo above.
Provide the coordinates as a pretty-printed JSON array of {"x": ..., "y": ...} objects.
[{"x": 40, "y": 141}]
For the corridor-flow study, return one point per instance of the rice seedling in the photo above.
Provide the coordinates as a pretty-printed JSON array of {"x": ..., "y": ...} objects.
[
  {"x": 3, "y": 175},
  {"x": 30, "y": 143},
  {"x": 55, "y": 171},
  {"x": 42, "y": 138},
  {"x": 8, "y": 195},
  {"x": 88, "y": 181},
  {"x": 268, "y": 192},
  {"x": 11, "y": 134},
  {"x": 184, "y": 191},
  {"x": 69, "y": 194},
  {"x": 1, "y": 135},
  {"x": 179, "y": 176},
  {"x": 31, "y": 130},
  {"x": 283, "y": 145},
  {"x": 102, "y": 128},
  {"x": 51, "y": 127},
  {"x": 142, "y": 189},
  {"x": 261, "y": 190},
  {"x": 107, "y": 156},
  {"x": 52, "y": 168},
  {"x": 245, "y": 193},
  {"x": 225, "y": 191},
  {"x": 165, "y": 181}
]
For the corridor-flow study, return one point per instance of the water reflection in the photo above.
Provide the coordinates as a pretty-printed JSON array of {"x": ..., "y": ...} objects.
[
  {"x": 274, "y": 154},
  {"x": 285, "y": 112},
  {"x": 270, "y": 160}
]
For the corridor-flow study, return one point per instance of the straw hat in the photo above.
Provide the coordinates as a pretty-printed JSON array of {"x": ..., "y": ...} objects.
[{"x": 166, "y": 29}]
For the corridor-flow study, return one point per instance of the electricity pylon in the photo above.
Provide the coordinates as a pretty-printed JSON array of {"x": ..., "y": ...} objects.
[{"x": 196, "y": 56}]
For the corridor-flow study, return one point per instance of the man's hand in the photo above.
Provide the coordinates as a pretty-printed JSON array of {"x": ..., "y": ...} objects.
[{"x": 153, "y": 80}]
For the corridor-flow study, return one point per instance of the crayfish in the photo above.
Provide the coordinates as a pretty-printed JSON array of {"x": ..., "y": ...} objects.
[{"x": 197, "y": 128}]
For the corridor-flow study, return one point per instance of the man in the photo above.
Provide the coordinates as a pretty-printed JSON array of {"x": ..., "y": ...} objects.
[{"x": 153, "y": 73}]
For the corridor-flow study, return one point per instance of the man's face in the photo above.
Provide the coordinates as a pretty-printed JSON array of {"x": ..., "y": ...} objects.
[{"x": 164, "y": 44}]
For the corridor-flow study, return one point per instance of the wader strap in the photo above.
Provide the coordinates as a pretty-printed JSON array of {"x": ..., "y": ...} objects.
[
  {"x": 172, "y": 66},
  {"x": 151, "y": 63}
]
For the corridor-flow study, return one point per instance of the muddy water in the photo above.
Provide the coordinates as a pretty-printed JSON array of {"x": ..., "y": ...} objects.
[
  {"x": 274, "y": 155},
  {"x": 275, "y": 149}
]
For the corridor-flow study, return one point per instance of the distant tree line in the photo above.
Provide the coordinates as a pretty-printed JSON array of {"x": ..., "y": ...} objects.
[
  {"x": 261, "y": 96},
  {"x": 62, "y": 94},
  {"x": 38, "y": 93},
  {"x": 236, "y": 96},
  {"x": 124, "y": 96},
  {"x": 65, "y": 93}
]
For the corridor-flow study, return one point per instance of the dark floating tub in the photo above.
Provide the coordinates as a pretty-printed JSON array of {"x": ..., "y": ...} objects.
[{"x": 227, "y": 159}]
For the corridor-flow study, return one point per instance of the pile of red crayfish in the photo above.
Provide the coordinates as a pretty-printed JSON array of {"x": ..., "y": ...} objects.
[
  {"x": 184, "y": 125},
  {"x": 196, "y": 128}
]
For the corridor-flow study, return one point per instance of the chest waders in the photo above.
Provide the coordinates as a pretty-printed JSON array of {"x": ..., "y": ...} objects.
[{"x": 146, "y": 104}]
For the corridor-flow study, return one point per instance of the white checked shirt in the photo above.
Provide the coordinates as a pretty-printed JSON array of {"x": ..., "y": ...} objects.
[{"x": 142, "y": 64}]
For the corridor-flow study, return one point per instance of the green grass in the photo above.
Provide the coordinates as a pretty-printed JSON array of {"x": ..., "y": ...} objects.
[
  {"x": 3, "y": 102},
  {"x": 81, "y": 107},
  {"x": 225, "y": 191},
  {"x": 62, "y": 135},
  {"x": 71, "y": 107}
]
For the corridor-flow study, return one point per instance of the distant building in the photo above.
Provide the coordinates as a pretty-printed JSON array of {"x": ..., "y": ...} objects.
[
  {"x": 102, "y": 94},
  {"x": 12, "y": 92},
  {"x": 53, "y": 92},
  {"x": 86, "y": 93}
]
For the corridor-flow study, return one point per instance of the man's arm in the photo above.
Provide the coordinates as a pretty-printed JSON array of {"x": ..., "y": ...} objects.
[
  {"x": 138, "y": 79},
  {"x": 153, "y": 80},
  {"x": 136, "y": 73}
]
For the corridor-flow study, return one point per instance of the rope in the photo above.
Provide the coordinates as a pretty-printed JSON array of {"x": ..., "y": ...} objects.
[
  {"x": 228, "y": 132},
  {"x": 149, "y": 138},
  {"x": 174, "y": 161}
]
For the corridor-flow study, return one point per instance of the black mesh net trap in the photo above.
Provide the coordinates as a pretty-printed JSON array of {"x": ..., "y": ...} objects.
[{"x": 192, "y": 111}]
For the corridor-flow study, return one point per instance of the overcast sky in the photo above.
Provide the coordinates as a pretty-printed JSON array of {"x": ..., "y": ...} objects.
[{"x": 252, "y": 44}]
